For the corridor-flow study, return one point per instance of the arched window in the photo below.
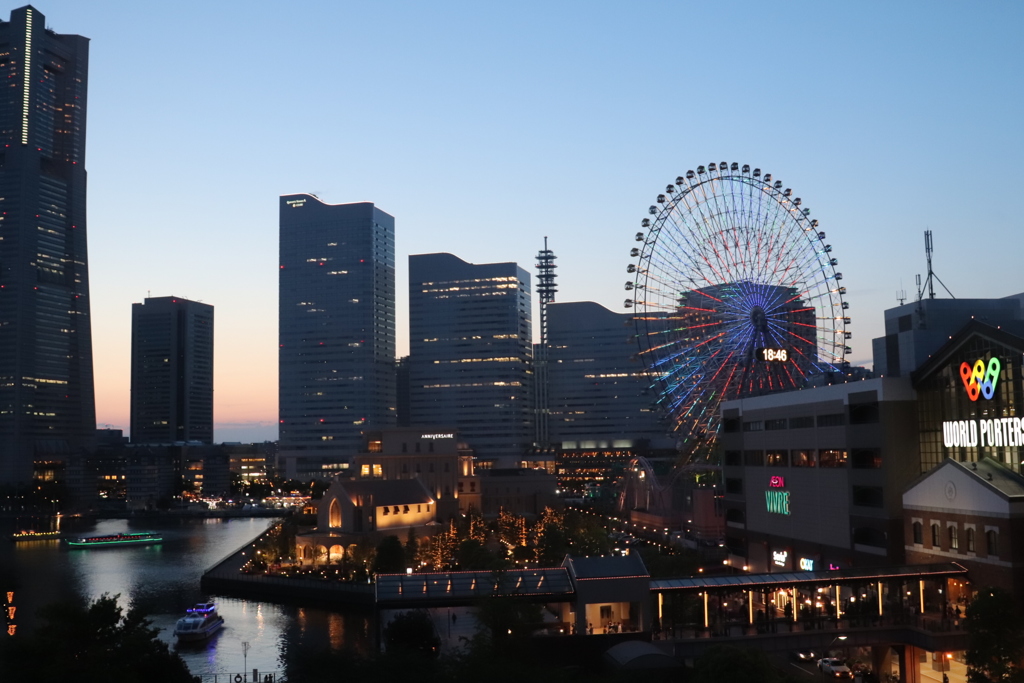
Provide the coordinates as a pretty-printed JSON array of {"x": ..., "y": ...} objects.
[
  {"x": 918, "y": 533},
  {"x": 936, "y": 543},
  {"x": 970, "y": 540},
  {"x": 992, "y": 542},
  {"x": 954, "y": 542},
  {"x": 334, "y": 514}
]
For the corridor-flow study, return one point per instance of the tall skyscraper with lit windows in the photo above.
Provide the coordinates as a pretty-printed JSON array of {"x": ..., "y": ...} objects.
[
  {"x": 470, "y": 352},
  {"x": 336, "y": 356},
  {"x": 47, "y": 403}
]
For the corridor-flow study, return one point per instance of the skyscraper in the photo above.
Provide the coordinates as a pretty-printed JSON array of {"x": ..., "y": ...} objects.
[
  {"x": 336, "y": 318},
  {"x": 597, "y": 386},
  {"x": 470, "y": 352},
  {"x": 172, "y": 371},
  {"x": 47, "y": 404}
]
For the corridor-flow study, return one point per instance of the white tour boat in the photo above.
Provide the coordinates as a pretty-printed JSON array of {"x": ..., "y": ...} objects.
[{"x": 199, "y": 623}]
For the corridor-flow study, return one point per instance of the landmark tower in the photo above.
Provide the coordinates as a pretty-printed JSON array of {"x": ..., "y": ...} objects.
[{"x": 47, "y": 403}]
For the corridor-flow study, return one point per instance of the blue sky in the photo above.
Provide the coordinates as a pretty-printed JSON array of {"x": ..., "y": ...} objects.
[{"x": 484, "y": 126}]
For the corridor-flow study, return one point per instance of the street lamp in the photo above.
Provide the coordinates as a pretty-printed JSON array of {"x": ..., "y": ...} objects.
[{"x": 821, "y": 662}]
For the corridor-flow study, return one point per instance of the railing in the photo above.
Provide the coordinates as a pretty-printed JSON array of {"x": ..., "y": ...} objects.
[
  {"x": 331, "y": 585},
  {"x": 933, "y": 623},
  {"x": 253, "y": 676}
]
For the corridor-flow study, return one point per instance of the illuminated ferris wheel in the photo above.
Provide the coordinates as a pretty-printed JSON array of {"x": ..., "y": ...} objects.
[{"x": 735, "y": 293}]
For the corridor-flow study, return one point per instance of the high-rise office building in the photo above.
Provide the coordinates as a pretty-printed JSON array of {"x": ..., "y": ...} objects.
[
  {"x": 172, "y": 371},
  {"x": 47, "y": 404},
  {"x": 470, "y": 352},
  {"x": 336, "y": 319},
  {"x": 597, "y": 388}
]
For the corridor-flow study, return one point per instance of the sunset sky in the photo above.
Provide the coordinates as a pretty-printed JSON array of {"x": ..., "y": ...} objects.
[{"x": 484, "y": 127}]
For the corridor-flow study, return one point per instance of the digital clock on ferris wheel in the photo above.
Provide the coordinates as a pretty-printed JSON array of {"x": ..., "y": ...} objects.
[{"x": 771, "y": 355}]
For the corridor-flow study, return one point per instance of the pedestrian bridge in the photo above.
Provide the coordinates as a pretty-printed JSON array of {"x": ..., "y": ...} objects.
[{"x": 454, "y": 589}]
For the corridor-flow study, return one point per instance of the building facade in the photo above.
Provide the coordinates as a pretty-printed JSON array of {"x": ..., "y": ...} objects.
[
  {"x": 436, "y": 457},
  {"x": 914, "y": 331},
  {"x": 971, "y": 396},
  {"x": 813, "y": 479},
  {"x": 973, "y": 514},
  {"x": 518, "y": 490},
  {"x": 172, "y": 371},
  {"x": 336, "y": 331},
  {"x": 470, "y": 352},
  {"x": 353, "y": 511},
  {"x": 47, "y": 403},
  {"x": 816, "y": 478},
  {"x": 597, "y": 388}
]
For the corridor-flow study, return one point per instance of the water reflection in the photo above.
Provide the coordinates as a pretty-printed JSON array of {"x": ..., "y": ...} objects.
[{"x": 164, "y": 581}]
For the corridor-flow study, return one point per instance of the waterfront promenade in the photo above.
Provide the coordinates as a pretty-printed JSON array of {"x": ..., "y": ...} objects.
[{"x": 228, "y": 577}]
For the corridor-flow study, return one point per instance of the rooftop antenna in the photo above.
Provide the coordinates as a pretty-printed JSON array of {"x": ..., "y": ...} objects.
[
  {"x": 546, "y": 294},
  {"x": 901, "y": 294},
  {"x": 546, "y": 287},
  {"x": 932, "y": 277}
]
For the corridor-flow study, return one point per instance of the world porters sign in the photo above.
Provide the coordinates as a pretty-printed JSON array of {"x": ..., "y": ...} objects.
[{"x": 1001, "y": 431}]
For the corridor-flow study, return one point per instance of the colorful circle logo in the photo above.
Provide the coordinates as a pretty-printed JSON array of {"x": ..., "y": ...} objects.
[{"x": 979, "y": 379}]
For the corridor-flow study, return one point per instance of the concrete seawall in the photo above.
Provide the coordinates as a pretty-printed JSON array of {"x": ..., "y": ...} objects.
[{"x": 226, "y": 578}]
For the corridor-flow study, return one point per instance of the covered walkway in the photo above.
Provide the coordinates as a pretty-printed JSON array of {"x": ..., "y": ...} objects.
[{"x": 452, "y": 589}]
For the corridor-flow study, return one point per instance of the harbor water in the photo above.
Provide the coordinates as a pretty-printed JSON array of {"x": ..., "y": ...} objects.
[{"x": 163, "y": 580}]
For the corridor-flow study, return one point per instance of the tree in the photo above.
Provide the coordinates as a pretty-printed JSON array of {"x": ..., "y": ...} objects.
[
  {"x": 412, "y": 548},
  {"x": 586, "y": 535},
  {"x": 995, "y": 632},
  {"x": 729, "y": 664},
  {"x": 442, "y": 547},
  {"x": 412, "y": 632},
  {"x": 507, "y": 618},
  {"x": 390, "y": 556},
  {"x": 471, "y": 554},
  {"x": 511, "y": 528},
  {"x": 92, "y": 643},
  {"x": 552, "y": 544}
]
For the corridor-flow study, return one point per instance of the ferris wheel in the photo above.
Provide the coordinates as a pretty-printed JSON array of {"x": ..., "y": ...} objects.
[{"x": 735, "y": 293}]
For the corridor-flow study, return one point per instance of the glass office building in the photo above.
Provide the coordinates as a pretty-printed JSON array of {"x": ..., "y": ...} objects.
[
  {"x": 172, "y": 371},
  {"x": 336, "y": 318},
  {"x": 470, "y": 352}
]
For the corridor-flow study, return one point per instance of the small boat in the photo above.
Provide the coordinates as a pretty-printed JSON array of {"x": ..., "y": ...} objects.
[
  {"x": 133, "y": 538},
  {"x": 199, "y": 623}
]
